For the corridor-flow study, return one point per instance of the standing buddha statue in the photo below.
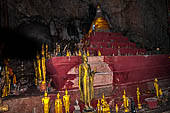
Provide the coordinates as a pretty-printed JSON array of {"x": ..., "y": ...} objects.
[
  {"x": 138, "y": 98},
  {"x": 39, "y": 68},
  {"x": 86, "y": 83},
  {"x": 43, "y": 64},
  {"x": 66, "y": 101},
  {"x": 58, "y": 104},
  {"x": 46, "y": 101},
  {"x": 125, "y": 102},
  {"x": 98, "y": 107},
  {"x": 156, "y": 87}
]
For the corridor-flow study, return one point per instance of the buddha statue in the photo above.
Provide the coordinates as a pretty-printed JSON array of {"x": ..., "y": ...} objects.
[
  {"x": 138, "y": 98},
  {"x": 46, "y": 102},
  {"x": 58, "y": 104},
  {"x": 39, "y": 67},
  {"x": 43, "y": 63},
  {"x": 86, "y": 83},
  {"x": 66, "y": 101}
]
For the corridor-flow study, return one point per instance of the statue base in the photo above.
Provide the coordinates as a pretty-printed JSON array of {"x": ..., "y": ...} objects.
[{"x": 89, "y": 111}]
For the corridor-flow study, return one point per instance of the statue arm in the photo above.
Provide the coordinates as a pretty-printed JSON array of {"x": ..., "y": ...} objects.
[
  {"x": 42, "y": 100},
  {"x": 80, "y": 77},
  {"x": 64, "y": 100}
]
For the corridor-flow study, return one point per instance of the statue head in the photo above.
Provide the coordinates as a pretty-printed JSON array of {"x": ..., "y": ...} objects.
[
  {"x": 156, "y": 80},
  {"x": 38, "y": 56},
  {"x": 42, "y": 49},
  {"x": 137, "y": 88},
  {"x": 84, "y": 58},
  {"x": 46, "y": 46},
  {"x": 58, "y": 95},
  {"x": 66, "y": 92},
  {"x": 103, "y": 95},
  {"x": 124, "y": 92},
  {"x": 45, "y": 94}
]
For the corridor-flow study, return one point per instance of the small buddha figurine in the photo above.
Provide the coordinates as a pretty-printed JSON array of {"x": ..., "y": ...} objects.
[
  {"x": 58, "y": 104},
  {"x": 43, "y": 64},
  {"x": 46, "y": 102},
  {"x": 58, "y": 53},
  {"x": 88, "y": 54},
  {"x": 156, "y": 87},
  {"x": 99, "y": 53},
  {"x": 66, "y": 101},
  {"x": 39, "y": 67},
  {"x": 103, "y": 99},
  {"x": 125, "y": 102},
  {"x": 116, "y": 108},
  {"x": 160, "y": 93},
  {"x": 138, "y": 98},
  {"x": 79, "y": 53},
  {"x": 98, "y": 106},
  {"x": 76, "y": 107},
  {"x": 105, "y": 106},
  {"x": 67, "y": 54}
]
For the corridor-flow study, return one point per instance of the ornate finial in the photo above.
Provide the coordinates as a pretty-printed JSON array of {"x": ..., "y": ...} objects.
[
  {"x": 99, "y": 8},
  {"x": 124, "y": 92},
  {"x": 58, "y": 95},
  {"x": 66, "y": 92}
]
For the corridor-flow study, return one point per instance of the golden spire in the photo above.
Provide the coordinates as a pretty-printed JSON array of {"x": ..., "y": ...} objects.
[{"x": 101, "y": 24}]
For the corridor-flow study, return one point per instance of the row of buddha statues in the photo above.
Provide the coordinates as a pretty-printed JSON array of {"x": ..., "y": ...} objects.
[
  {"x": 102, "y": 105},
  {"x": 40, "y": 68}
]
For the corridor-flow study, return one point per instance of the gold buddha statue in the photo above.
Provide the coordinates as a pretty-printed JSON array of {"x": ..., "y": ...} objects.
[
  {"x": 58, "y": 104},
  {"x": 46, "y": 102},
  {"x": 86, "y": 83},
  {"x": 66, "y": 101},
  {"x": 100, "y": 23}
]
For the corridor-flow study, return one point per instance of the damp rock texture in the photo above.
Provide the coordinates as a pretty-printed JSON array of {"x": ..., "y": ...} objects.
[{"x": 143, "y": 21}]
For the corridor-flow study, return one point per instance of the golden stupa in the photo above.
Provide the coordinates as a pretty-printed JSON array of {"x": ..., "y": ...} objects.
[{"x": 101, "y": 25}]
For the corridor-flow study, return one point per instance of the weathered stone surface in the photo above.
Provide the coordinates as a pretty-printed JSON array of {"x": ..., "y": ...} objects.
[{"x": 143, "y": 21}]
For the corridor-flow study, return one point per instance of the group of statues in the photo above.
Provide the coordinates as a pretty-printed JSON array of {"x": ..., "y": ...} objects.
[
  {"x": 9, "y": 79},
  {"x": 58, "y": 103},
  {"x": 86, "y": 77},
  {"x": 40, "y": 68}
]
